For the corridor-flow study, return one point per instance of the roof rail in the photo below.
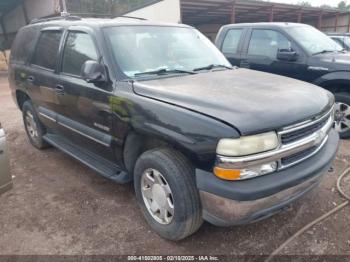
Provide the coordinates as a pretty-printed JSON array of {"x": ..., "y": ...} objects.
[
  {"x": 62, "y": 17},
  {"x": 131, "y": 17}
]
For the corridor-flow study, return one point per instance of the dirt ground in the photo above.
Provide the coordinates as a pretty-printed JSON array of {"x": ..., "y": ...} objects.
[{"x": 59, "y": 206}]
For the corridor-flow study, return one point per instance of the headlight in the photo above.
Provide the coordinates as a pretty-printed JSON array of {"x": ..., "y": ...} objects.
[{"x": 247, "y": 145}]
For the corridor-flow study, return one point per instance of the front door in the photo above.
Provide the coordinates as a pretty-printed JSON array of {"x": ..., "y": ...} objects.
[
  {"x": 87, "y": 118},
  {"x": 261, "y": 54}
]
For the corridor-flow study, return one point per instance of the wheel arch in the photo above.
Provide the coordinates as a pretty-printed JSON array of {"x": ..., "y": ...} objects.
[
  {"x": 335, "y": 82},
  {"x": 138, "y": 142},
  {"x": 21, "y": 97}
]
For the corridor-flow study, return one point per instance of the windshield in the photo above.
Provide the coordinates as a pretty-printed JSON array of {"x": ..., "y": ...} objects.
[
  {"x": 142, "y": 49},
  {"x": 313, "y": 40}
]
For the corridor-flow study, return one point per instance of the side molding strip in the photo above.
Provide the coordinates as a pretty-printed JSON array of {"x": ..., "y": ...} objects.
[{"x": 83, "y": 130}]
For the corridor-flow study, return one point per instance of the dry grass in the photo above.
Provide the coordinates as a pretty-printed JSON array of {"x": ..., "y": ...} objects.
[{"x": 4, "y": 60}]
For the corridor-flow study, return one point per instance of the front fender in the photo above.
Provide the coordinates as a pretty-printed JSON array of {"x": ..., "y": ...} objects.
[{"x": 189, "y": 131}]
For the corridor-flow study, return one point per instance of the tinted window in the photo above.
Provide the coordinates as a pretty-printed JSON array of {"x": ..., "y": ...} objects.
[
  {"x": 47, "y": 49},
  {"x": 267, "y": 43},
  {"x": 231, "y": 41},
  {"x": 79, "y": 48},
  {"x": 24, "y": 44}
]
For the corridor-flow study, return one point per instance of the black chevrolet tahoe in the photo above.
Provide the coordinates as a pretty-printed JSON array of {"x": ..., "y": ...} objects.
[
  {"x": 294, "y": 50},
  {"x": 159, "y": 105}
]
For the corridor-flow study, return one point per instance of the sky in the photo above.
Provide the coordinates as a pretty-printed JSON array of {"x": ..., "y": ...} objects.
[{"x": 313, "y": 2}]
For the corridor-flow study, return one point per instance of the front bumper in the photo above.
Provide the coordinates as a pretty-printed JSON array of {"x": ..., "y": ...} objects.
[{"x": 240, "y": 202}]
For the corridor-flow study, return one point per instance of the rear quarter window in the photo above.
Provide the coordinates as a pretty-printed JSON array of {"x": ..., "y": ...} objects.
[{"x": 23, "y": 45}]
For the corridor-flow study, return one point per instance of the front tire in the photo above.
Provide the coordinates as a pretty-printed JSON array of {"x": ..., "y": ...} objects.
[
  {"x": 342, "y": 114},
  {"x": 34, "y": 128},
  {"x": 166, "y": 192}
]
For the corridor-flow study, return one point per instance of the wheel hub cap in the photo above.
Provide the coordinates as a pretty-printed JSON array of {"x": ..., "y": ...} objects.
[
  {"x": 342, "y": 117},
  {"x": 157, "y": 196},
  {"x": 31, "y": 125}
]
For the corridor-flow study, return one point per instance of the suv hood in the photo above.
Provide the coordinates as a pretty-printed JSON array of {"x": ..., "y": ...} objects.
[{"x": 248, "y": 100}]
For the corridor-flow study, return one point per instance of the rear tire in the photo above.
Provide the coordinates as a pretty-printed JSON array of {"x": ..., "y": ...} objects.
[
  {"x": 164, "y": 180},
  {"x": 34, "y": 128},
  {"x": 342, "y": 114}
]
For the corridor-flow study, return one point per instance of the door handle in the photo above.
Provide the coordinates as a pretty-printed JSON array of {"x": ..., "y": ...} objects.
[{"x": 59, "y": 89}]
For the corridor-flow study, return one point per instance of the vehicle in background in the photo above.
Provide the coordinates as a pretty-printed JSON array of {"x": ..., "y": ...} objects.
[
  {"x": 294, "y": 50},
  {"x": 342, "y": 39},
  {"x": 5, "y": 176},
  {"x": 160, "y": 105}
]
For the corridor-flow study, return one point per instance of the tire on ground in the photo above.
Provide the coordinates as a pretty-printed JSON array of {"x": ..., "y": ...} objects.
[
  {"x": 179, "y": 173},
  {"x": 37, "y": 142}
]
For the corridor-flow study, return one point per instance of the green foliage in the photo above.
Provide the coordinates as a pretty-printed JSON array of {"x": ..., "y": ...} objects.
[
  {"x": 89, "y": 6},
  {"x": 123, "y": 6},
  {"x": 344, "y": 6},
  {"x": 305, "y": 3}
]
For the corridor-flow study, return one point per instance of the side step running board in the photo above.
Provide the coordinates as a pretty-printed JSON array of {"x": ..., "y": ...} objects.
[{"x": 100, "y": 165}]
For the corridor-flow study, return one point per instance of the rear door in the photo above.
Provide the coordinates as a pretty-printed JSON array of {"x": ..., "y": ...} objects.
[
  {"x": 232, "y": 44},
  {"x": 42, "y": 78},
  {"x": 260, "y": 53},
  {"x": 87, "y": 117}
]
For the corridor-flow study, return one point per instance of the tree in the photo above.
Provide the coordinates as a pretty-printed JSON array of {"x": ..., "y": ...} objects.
[
  {"x": 305, "y": 3},
  {"x": 343, "y": 6},
  {"x": 123, "y": 6},
  {"x": 89, "y": 6},
  {"x": 326, "y": 7}
]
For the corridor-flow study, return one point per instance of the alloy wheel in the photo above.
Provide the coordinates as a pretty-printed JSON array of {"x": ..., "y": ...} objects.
[
  {"x": 342, "y": 118},
  {"x": 31, "y": 125},
  {"x": 157, "y": 196}
]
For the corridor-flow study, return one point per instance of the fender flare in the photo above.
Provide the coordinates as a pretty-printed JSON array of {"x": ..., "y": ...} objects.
[{"x": 335, "y": 78}]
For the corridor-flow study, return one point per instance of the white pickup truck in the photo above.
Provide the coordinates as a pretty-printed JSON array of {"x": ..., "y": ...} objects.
[{"x": 5, "y": 177}]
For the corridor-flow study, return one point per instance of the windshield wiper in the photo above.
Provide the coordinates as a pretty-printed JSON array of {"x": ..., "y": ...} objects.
[
  {"x": 210, "y": 67},
  {"x": 163, "y": 71},
  {"x": 324, "y": 52}
]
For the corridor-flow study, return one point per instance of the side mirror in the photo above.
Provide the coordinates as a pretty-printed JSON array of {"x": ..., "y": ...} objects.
[
  {"x": 287, "y": 55},
  {"x": 93, "y": 72}
]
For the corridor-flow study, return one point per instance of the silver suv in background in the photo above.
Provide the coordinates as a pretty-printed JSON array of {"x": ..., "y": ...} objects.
[
  {"x": 5, "y": 177},
  {"x": 342, "y": 39}
]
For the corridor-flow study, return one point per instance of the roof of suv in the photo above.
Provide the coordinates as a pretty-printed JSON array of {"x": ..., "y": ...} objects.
[
  {"x": 276, "y": 24},
  {"x": 100, "y": 22}
]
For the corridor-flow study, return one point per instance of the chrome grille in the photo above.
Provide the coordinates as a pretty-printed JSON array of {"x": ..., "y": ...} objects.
[
  {"x": 297, "y": 133},
  {"x": 303, "y": 132},
  {"x": 286, "y": 161}
]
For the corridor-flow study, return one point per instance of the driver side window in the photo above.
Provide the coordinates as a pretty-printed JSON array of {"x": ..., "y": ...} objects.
[
  {"x": 79, "y": 48},
  {"x": 267, "y": 43}
]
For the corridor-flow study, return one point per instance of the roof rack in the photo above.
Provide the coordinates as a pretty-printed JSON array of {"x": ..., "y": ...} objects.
[
  {"x": 64, "y": 16},
  {"x": 131, "y": 17}
]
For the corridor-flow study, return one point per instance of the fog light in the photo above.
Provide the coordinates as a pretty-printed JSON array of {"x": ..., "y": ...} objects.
[{"x": 241, "y": 174}]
